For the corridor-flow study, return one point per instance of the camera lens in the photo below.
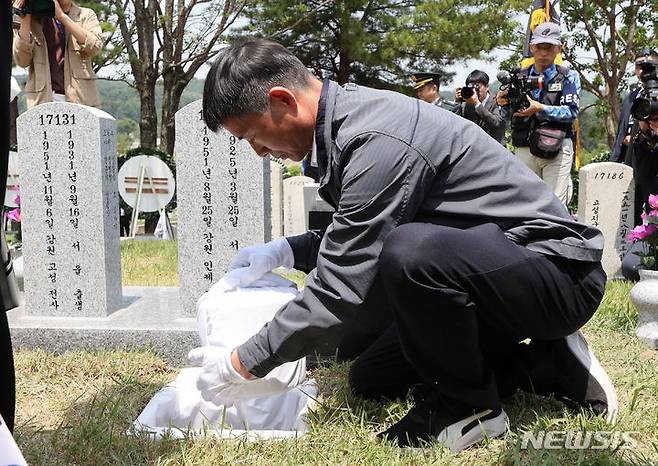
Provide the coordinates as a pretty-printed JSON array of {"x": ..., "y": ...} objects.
[
  {"x": 467, "y": 92},
  {"x": 641, "y": 109}
]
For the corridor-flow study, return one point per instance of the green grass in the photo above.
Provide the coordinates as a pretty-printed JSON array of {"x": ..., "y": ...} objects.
[
  {"x": 76, "y": 408},
  {"x": 149, "y": 263},
  {"x": 155, "y": 263}
]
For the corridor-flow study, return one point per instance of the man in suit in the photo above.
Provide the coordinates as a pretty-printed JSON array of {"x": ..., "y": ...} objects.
[{"x": 479, "y": 106}]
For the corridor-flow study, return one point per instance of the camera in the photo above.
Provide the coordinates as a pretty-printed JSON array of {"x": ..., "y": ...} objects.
[
  {"x": 470, "y": 89},
  {"x": 518, "y": 86},
  {"x": 645, "y": 104},
  {"x": 38, "y": 8}
]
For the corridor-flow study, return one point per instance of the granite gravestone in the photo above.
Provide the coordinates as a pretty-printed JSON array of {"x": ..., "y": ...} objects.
[
  {"x": 606, "y": 201},
  {"x": 317, "y": 211},
  {"x": 70, "y": 211},
  {"x": 294, "y": 221},
  {"x": 223, "y": 202},
  {"x": 276, "y": 178}
]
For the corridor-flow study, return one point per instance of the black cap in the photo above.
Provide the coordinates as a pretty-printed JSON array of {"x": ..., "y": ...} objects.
[
  {"x": 646, "y": 55},
  {"x": 420, "y": 79}
]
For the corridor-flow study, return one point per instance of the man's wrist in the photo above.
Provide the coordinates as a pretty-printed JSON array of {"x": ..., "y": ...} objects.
[{"x": 238, "y": 366}]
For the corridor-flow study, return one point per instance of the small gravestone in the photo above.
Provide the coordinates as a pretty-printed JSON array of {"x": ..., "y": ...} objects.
[
  {"x": 223, "y": 202},
  {"x": 70, "y": 211},
  {"x": 317, "y": 211},
  {"x": 294, "y": 221},
  {"x": 276, "y": 178},
  {"x": 606, "y": 201}
]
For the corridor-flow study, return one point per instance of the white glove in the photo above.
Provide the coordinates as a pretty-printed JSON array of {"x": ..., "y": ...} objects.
[
  {"x": 258, "y": 260},
  {"x": 221, "y": 384}
]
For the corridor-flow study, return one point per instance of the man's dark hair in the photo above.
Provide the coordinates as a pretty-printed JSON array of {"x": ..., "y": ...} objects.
[
  {"x": 242, "y": 75},
  {"x": 477, "y": 76}
]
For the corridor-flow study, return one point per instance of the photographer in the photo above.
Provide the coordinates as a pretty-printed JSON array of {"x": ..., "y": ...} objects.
[
  {"x": 645, "y": 171},
  {"x": 57, "y": 50},
  {"x": 479, "y": 107},
  {"x": 542, "y": 128},
  {"x": 626, "y": 129},
  {"x": 641, "y": 154}
]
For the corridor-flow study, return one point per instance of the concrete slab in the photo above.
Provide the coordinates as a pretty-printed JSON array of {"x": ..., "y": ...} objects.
[{"x": 149, "y": 318}]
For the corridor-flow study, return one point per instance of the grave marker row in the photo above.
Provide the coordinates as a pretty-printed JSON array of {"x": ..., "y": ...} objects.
[{"x": 70, "y": 203}]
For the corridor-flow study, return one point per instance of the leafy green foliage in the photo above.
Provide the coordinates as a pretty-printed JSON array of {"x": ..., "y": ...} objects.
[
  {"x": 293, "y": 170},
  {"x": 379, "y": 42},
  {"x": 112, "y": 46},
  {"x": 612, "y": 33}
]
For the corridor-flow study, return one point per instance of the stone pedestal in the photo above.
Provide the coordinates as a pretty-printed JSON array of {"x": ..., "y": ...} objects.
[
  {"x": 644, "y": 296},
  {"x": 149, "y": 317}
]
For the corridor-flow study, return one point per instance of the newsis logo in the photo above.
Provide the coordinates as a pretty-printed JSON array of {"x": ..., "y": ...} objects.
[{"x": 578, "y": 440}]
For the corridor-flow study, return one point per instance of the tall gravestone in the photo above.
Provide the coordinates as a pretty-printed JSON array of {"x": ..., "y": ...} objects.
[
  {"x": 70, "y": 211},
  {"x": 606, "y": 200},
  {"x": 223, "y": 202},
  {"x": 294, "y": 221},
  {"x": 276, "y": 178}
]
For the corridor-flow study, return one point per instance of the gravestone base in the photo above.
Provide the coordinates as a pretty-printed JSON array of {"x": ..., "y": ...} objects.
[
  {"x": 148, "y": 318},
  {"x": 648, "y": 333}
]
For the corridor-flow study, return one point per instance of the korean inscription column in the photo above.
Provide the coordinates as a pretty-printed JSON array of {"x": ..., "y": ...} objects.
[
  {"x": 223, "y": 202},
  {"x": 606, "y": 201},
  {"x": 72, "y": 260}
]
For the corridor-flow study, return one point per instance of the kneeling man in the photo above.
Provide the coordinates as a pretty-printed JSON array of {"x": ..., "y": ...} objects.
[{"x": 467, "y": 251}]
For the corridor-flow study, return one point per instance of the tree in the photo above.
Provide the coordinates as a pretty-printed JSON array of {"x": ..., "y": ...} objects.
[
  {"x": 169, "y": 39},
  {"x": 137, "y": 22},
  {"x": 614, "y": 31},
  {"x": 188, "y": 39},
  {"x": 377, "y": 42}
]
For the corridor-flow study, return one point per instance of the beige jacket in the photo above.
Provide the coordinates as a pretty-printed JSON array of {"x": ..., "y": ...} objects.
[{"x": 79, "y": 77}]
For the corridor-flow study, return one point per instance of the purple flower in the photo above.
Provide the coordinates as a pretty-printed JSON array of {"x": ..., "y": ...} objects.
[
  {"x": 17, "y": 200},
  {"x": 653, "y": 201},
  {"x": 14, "y": 215},
  {"x": 641, "y": 232}
]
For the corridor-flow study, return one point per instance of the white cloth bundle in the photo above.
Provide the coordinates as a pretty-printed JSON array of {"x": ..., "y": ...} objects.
[{"x": 226, "y": 318}]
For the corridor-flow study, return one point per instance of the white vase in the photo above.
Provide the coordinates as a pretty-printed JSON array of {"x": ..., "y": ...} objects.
[{"x": 644, "y": 296}]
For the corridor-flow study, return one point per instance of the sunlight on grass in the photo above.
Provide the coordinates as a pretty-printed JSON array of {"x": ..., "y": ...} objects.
[
  {"x": 149, "y": 263},
  {"x": 77, "y": 408}
]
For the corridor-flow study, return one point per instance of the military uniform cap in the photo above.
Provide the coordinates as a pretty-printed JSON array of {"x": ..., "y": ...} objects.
[{"x": 420, "y": 79}]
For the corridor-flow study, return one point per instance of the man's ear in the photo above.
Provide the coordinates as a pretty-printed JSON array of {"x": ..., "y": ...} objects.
[{"x": 282, "y": 100}]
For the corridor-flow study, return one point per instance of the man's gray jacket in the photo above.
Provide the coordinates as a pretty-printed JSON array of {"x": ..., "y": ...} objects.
[
  {"x": 385, "y": 159},
  {"x": 488, "y": 116}
]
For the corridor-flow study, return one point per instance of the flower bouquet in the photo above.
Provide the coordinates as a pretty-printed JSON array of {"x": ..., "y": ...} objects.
[{"x": 647, "y": 233}]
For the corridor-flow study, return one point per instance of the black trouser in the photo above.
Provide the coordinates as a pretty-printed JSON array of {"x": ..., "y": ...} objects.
[
  {"x": 7, "y": 377},
  {"x": 462, "y": 301},
  {"x": 632, "y": 263},
  {"x": 124, "y": 224},
  {"x": 7, "y": 388}
]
